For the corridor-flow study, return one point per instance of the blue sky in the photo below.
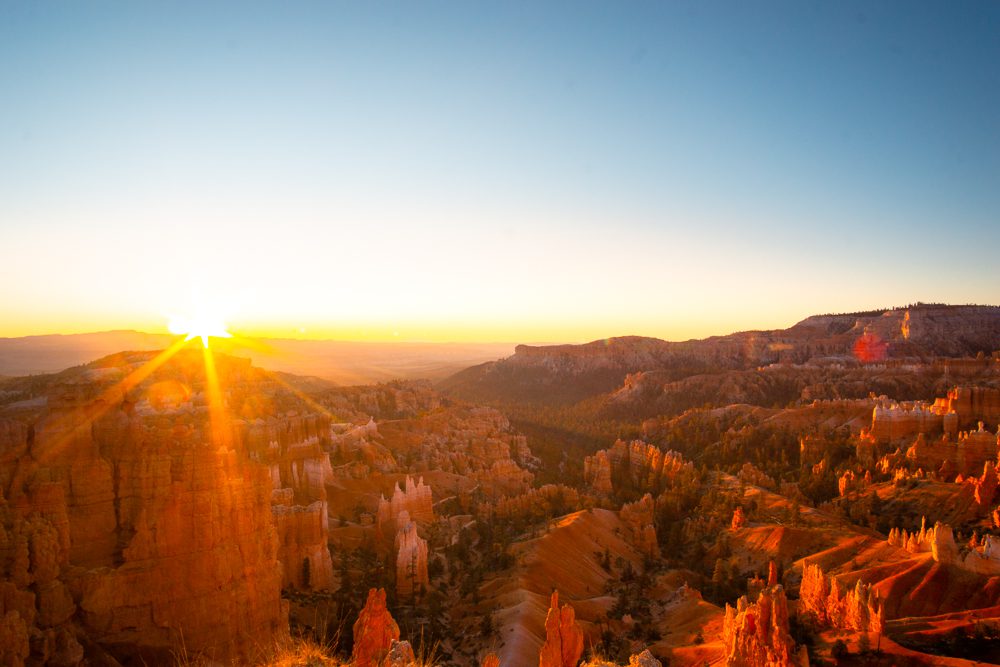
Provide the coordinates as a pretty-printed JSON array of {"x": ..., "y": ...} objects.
[{"x": 532, "y": 171}]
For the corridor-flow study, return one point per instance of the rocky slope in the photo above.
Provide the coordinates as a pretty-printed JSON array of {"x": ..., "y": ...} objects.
[{"x": 569, "y": 373}]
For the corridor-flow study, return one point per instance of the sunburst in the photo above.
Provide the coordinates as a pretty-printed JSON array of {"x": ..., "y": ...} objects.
[{"x": 201, "y": 325}]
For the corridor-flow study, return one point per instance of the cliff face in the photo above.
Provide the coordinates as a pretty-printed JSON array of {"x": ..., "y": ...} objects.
[
  {"x": 964, "y": 406},
  {"x": 137, "y": 510},
  {"x": 302, "y": 545},
  {"x": 939, "y": 330},
  {"x": 411, "y": 560},
  {"x": 893, "y": 421},
  {"x": 300, "y": 470},
  {"x": 569, "y": 373},
  {"x": 415, "y": 500},
  {"x": 756, "y": 634}
]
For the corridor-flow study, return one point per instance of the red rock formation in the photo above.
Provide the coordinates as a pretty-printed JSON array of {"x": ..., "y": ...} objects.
[
  {"x": 751, "y": 474},
  {"x": 812, "y": 448},
  {"x": 986, "y": 485},
  {"x": 976, "y": 448},
  {"x": 536, "y": 503},
  {"x": 411, "y": 560},
  {"x": 739, "y": 519},
  {"x": 374, "y": 631},
  {"x": 597, "y": 471},
  {"x": 821, "y": 599},
  {"x": 400, "y": 654},
  {"x": 644, "y": 659},
  {"x": 940, "y": 541},
  {"x": 641, "y": 466},
  {"x": 756, "y": 634},
  {"x": 865, "y": 448},
  {"x": 894, "y": 421},
  {"x": 973, "y": 449},
  {"x": 639, "y": 518},
  {"x": 302, "y": 537},
  {"x": 478, "y": 443},
  {"x": 973, "y": 403},
  {"x": 503, "y": 477},
  {"x": 416, "y": 500},
  {"x": 849, "y": 482},
  {"x": 772, "y": 573},
  {"x": 563, "y": 637},
  {"x": 135, "y": 525}
]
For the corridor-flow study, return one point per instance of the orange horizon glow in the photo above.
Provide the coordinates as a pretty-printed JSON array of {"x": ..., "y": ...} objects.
[{"x": 473, "y": 332}]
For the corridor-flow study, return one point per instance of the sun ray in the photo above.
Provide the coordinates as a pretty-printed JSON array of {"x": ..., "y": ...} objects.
[
  {"x": 221, "y": 430},
  {"x": 203, "y": 325},
  {"x": 304, "y": 397},
  {"x": 74, "y": 423},
  {"x": 235, "y": 342}
]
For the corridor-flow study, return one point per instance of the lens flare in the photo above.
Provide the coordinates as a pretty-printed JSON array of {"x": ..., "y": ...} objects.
[{"x": 203, "y": 326}]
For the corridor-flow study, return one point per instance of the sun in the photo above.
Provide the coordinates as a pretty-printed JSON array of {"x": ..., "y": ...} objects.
[{"x": 201, "y": 325}]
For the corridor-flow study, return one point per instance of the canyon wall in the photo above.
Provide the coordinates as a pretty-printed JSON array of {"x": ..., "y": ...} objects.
[{"x": 137, "y": 526}]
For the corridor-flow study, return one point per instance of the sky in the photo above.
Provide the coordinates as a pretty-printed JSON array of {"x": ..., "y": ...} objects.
[{"x": 494, "y": 171}]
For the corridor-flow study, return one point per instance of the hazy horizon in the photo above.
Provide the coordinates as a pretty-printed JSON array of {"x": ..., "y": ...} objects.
[
  {"x": 399, "y": 341},
  {"x": 468, "y": 173}
]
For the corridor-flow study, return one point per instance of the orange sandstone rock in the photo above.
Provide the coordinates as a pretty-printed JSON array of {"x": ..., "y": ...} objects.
[
  {"x": 597, "y": 471},
  {"x": 821, "y": 599},
  {"x": 645, "y": 466},
  {"x": 644, "y": 659},
  {"x": 374, "y": 631},
  {"x": 739, "y": 519},
  {"x": 411, "y": 561},
  {"x": 537, "y": 503},
  {"x": 638, "y": 516},
  {"x": 400, "y": 654},
  {"x": 413, "y": 498},
  {"x": 563, "y": 637},
  {"x": 756, "y": 634},
  {"x": 302, "y": 538},
  {"x": 986, "y": 485}
]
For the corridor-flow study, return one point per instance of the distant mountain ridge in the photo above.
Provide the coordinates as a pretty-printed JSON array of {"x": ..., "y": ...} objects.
[
  {"x": 568, "y": 373},
  {"x": 343, "y": 362}
]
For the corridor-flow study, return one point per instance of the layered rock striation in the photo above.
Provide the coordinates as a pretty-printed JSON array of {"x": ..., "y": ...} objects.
[{"x": 136, "y": 516}]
